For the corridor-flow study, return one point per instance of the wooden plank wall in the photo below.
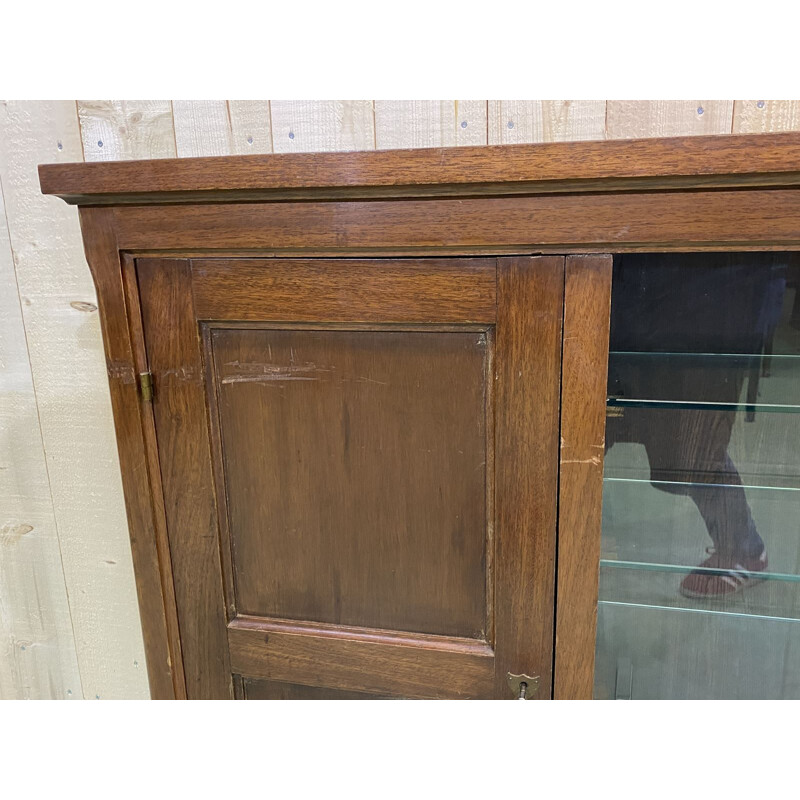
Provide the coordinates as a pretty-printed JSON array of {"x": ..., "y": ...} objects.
[{"x": 69, "y": 625}]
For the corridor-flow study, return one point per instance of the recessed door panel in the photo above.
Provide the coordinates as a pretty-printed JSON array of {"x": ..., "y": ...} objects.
[{"x": 355, "y": 473}]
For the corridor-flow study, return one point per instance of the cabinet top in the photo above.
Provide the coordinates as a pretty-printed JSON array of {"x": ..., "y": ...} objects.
[{"x": 617, "y": 165}]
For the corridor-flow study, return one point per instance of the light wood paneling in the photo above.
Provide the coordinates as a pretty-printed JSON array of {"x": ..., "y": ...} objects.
[
  {"x": 202, "y": 128},
  {"x": 69, "y": 376},
  {"x": 116, "y": 130},
  {"x": 429, "y": 123},
  {"x": 766, "y": 116},
  {"x": 221, "y": 127},
  {"x": 471, "y": 122},
  {"x": 37, "y": 648},
  {"x": 639, "y": 119},
  {"x": 304, "y": 126},
  {"x": 521, "y": 121},
  {"x": 251, "y": 127}
]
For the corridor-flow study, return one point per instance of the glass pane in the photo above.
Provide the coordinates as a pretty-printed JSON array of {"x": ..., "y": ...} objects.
[{"x": 700, "y": 563}]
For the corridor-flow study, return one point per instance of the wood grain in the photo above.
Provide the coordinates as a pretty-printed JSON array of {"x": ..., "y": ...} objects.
[
  {"x": 634, "y": 119},
  {"x": 528, "y": 370},
  {"x": 429, "y": 123},
  {"x": 520, "y": 121},
  {"x": 115, "y": 130},
  {"x": 37, "y": 647},
  {"x": 433, "y": 290},
  {"x": 174, "y": 356},
  {"x": 605, "y": 222},
  {"x": 355, "y": 466},
  {"x": 587, "y": 304},
  {"x": 306, "y": 126},
  {"x": 275, "y": 690},
  {"x": 251, "y": 126},
  {"x": 766, "y": 116},
  {"x": 202, "y": 128},
  {"x": 389, "y": 665},
  {"x": 600, "y": 166}
]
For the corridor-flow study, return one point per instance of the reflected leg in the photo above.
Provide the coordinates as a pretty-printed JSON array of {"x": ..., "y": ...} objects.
[{"x": 727, "y": 516}]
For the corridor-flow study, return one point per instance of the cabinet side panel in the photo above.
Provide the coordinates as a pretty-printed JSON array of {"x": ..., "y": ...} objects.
[{"x": 155, "y": 608}]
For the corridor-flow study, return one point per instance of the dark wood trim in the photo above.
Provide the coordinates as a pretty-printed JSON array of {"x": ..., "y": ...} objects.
[
  {"x": 605, "y": 223},
  {"x": 584, "y": 368},
  {"x": 138, "y": 464},
  {"x": 530, "y": 294},
  {"x": 381, "y": 665},
  {"x": 680, "y": 162},
  {"x": 422, "y": 290}
]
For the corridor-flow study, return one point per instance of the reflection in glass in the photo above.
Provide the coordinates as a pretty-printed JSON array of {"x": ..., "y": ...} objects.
[{"x": 700, "y": 569}]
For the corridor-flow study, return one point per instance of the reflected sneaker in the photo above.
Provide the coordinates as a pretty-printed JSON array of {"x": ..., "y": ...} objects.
[{"x": 721, "y": 575}]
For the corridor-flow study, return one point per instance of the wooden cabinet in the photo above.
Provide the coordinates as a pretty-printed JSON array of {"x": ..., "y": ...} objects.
[{"x": 360, "y": 399}]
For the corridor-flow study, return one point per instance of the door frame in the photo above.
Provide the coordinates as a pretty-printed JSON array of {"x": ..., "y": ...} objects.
[{"x": 525, "y": 382}]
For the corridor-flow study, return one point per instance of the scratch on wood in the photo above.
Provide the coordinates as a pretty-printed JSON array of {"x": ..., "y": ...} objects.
[
  {"x": 266, "y": 377},
  {"x": 120, "y": 370},
  {"x": 596, "y": 460},
  {"x": 365, "y": 379},
  {"x": 256, "y": 372},
  {"x": 181, "y": 373}
]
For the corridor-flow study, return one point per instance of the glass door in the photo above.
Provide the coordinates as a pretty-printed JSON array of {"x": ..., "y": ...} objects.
[{"x": 700, "y": 558}]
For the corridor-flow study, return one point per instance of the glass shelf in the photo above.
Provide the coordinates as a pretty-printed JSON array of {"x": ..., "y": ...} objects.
[
  {"x": 701, "y": 405},
  {"x": 683, "y": 443},
  {"x": 702, "y": 457},
  {"x": 768, "y": 382},
  {"x": 666, "y": 653}
]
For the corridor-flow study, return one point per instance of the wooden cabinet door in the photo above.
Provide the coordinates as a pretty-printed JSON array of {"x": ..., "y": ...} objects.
[{"x": 358, "y": 461}]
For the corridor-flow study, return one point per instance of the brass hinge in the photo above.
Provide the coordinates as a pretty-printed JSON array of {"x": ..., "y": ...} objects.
[{"x": 146, "y": 386}]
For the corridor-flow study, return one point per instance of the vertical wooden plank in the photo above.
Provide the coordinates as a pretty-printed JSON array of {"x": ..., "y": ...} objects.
[
  {"x": 202, "y": 128},
  {"x": 68, "y": 368},
  {"x": 304, "y": 126},
  {"x": 37, "y": 647},
  {"x": 429, "y": 123},
  {"x": 221, "y": 127},
  {"x": 179, "y": 409},
  {"x": 250, "y": 126},
  {"x": 115, "y": 130},
  {"x": 471, "y": 122},
  {"x": 641, "y": 119},
  {"x": 587, "y": 306},
  {"x": 766, "y": 116},
  {"x": 530, "y": 298},
  {"x": 521, "y": 121}
]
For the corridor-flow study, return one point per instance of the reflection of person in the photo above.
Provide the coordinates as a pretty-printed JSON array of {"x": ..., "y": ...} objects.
[{"x": 711, "y": 303}]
